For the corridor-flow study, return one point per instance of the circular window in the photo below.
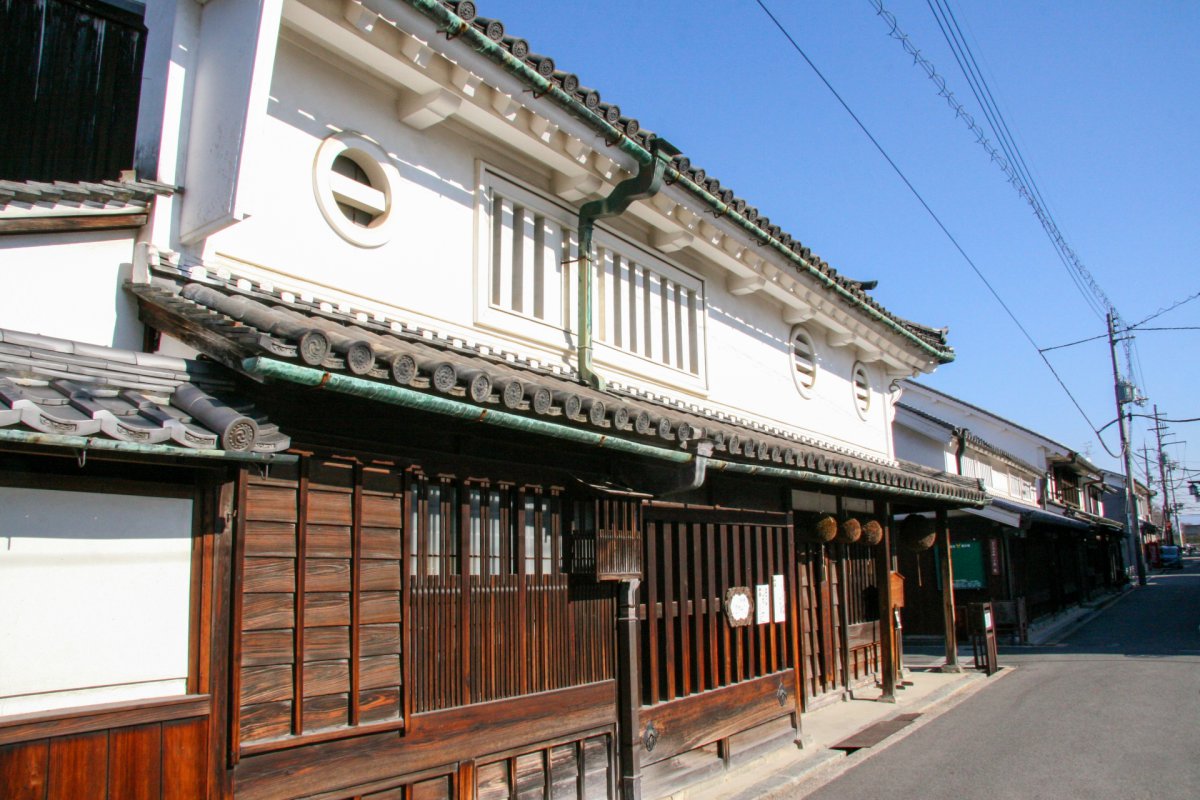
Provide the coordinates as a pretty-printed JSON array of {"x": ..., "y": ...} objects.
[
  {"x": 804, "y": 361},
  {"x": 862, "y": 390},
  {"x": 355, "y": 187}
]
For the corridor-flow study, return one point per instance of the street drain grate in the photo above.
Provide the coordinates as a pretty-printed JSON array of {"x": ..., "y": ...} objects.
[{"x": 874, "y": 734}]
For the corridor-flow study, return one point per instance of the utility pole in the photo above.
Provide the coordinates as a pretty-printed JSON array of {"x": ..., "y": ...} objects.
[
  {"x": 1162, "y": 476},
  {"x": 1132, "y": 525}
]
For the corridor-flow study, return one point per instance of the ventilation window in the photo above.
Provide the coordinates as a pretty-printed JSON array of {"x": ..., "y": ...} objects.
[
  {"x": 361, "y": 202},
  {"x": 804, "y": 360},
  {"x": 862, "y": 390},
  {"x": 355, "y": 187}
]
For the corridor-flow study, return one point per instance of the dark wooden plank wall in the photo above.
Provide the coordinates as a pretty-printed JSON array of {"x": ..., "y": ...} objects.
[
  {"x": 820, "y": 618},
  {"x": 439, "y": 743},
  {"x": 72, "y": 81},
  {"x": 582, "y": 769},
  {"x": 506, "y": 619},
  {"x": 91, "y": 754},
  {"x": 810, "y": 627},
  {"x": 378, "y": 601},
  {"x": 320, "y": 644}
]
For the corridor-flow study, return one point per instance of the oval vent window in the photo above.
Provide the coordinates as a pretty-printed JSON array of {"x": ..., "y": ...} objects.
[
  {"x": 804, "y": 360},
  {"x": 862, "y": 390}
]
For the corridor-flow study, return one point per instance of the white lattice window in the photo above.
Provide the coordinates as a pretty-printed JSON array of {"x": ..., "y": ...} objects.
[
  {"x": 646, "y": 308},
  {"x": 526, "y": 265},
  {"x": 648, "y": 315}
]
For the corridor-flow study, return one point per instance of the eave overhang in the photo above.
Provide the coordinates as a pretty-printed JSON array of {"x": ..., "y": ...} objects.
[
  {"x": 424, "y": 45},
  {"x": 376, "y": 363}
]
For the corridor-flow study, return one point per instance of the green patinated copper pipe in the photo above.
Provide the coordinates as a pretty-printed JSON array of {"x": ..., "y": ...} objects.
[
  {"x": 644, "y": 184},
  {"x": 408, "y": 398},
  {"x": 86, "y": 444},
  {"x": 455, "y": 27}
]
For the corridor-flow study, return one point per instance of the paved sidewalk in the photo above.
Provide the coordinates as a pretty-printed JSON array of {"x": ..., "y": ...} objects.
[
  {"x": 1056, "y": 627},
  {"x": 793, "y": 772}
]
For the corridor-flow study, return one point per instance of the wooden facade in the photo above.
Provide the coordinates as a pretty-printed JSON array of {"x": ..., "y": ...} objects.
[
  {"x": 366, "y": 627},
  {"x": 1025, "y": 573}
]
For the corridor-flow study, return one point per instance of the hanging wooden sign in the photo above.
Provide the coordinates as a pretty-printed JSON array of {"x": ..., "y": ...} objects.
[{"x": 739, "y": 606}]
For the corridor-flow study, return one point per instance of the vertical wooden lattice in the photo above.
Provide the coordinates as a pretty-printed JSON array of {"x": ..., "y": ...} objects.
[{"x": 688, "y": 645}]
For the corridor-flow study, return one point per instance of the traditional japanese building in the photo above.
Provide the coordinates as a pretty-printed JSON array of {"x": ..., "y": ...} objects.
[
  {"x": 1042, "y": 544},
  {"x": 411, "y": 423}
]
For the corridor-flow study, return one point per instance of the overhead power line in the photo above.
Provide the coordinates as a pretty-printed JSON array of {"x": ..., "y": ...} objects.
[
  {"x": 1162, "y": 311},
  {"x": 937, "y": 220},
  {"x": 1005, "y": 153}
]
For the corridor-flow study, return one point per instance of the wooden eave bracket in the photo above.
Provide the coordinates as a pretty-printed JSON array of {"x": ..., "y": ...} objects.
[
  {"x": 428, "y": 109},
  {"x": 743, "y": 285},
  {"x": 358, "y": 15}
]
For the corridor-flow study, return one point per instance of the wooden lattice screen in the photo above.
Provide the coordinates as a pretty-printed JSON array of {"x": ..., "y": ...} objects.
[
  {"x": 687, "y": 644},
  {"x": 606, "y": 538},
  {"x": 336, "y": 632}
]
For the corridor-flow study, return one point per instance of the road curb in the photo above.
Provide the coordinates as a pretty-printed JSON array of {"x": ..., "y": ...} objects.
[
  {"x": 1055, "y": 636},
  {"x": 799, "y": 779}
]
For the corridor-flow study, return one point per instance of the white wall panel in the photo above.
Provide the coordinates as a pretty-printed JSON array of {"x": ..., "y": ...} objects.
[{"x": 94, "y": 595}]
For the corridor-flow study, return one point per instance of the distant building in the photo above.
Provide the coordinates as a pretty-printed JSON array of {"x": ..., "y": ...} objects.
[{"x": 1043, "y": 544}]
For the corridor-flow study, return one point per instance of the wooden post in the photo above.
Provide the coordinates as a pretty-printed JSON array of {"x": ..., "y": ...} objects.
[
  {"x": 844, "y": 621},
  {"x": 887, "y": 622},
  {"x": 943, "y": 534},
  {"x": 628, "y": 690},
  {"x": 218, "y": 633}
]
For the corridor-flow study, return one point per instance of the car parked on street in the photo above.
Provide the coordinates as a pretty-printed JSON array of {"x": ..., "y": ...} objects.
[{"x": 1170, "y": 557}]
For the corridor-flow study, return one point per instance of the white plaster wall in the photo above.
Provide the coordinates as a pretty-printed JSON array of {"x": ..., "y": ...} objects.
[
  {"x": 94, "y": 593},
  {"x": 750, "y": 368},
  {"x": 1027, "y": 446},
  {"x": 69, "y": 285},
  {"x": 916, "y": 447},
  {"x": 428, "y": 268}
]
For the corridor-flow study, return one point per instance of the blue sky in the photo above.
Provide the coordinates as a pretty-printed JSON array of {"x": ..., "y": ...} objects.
[{"x": 1101, "y": 99}]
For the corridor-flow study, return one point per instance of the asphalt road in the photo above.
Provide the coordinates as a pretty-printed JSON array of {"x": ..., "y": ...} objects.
[{"x": 1111, "y": 711}]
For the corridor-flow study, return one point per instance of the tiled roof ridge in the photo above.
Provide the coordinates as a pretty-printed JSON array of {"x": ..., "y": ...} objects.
[
  {"x": 61, "y": 388},
  {"x": 344, "y": 314},
  {"x": 975, "y": 439},
  {"x": 236, "y": 327},
  {"x": 103, "y": 193},
  {"x": 982, "y": 410},
  {"x": 459, "y": 20}
]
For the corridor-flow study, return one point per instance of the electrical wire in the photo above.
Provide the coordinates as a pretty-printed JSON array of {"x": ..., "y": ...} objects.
[
  {"x": 1162, "y": 311},
  {"x": 1010, "y": 161},
  {"x": 967, "y": 64},
  {"x": 937, "y": 220}
]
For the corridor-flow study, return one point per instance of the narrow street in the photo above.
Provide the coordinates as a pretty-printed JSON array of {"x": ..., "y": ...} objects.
[{"x": 1112, "y": 711}]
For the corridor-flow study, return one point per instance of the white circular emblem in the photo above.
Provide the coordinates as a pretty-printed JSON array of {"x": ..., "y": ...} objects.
[{"x": 739, "y": 607}]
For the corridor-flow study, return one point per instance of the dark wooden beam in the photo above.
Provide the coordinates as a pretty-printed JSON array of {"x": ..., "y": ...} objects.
[
  {"x": 887, "y": 630},
  {"x": 99, "y": 222},
  {"x": 947, "y": 567},
  {"x": 628, "y": 691}
]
